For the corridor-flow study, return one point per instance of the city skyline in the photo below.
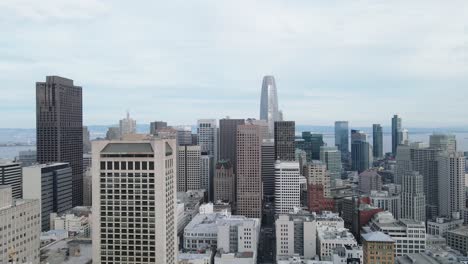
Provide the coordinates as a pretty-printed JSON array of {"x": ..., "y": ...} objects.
[{"x": 330, "y": 58}]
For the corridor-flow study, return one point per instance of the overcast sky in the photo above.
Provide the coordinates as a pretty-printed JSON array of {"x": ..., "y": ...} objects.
[{"x": 181, "y": 60}]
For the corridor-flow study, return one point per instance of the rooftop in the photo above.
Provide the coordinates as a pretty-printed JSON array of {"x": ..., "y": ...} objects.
[
  {"x": 68, "y": 251},
  {"x": 377, "y": 237},
  {"x": 128, "y": 148}
]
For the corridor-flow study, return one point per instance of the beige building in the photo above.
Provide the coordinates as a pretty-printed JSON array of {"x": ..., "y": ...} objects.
[
  {"x": 378, "y": 248},
  {"x": 224, "y": 182},
  {"x": 316, "y": 173},
  {"x": 134, "y": 201},
  {"x": 249, "y": 170},
  {"x": 188, "y": 168}
]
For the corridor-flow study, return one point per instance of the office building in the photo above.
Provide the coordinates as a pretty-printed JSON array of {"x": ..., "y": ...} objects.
[
  {"x": 127, "y": 126},
  {"x": 413, "y": 199},
  {"x": 441, "y": 225},
  {"x": 134, "y": 201},
  {"x": 443, "y": 142},
  {"x": 188, "y": 168},
  {"x": 12, "y": 175},
  {"x": 249, "y": 170},
  {"x": 332, "y": 158},
  {"x": 370, "y": 180},
  {"x": 206, "y": 172},
  {"x": 361, "y": 151},
  {"x": 268, "y": 167},
  {"x": 87, "y": 187},
  {"x": 342, "y": 138},
  {"x": 27, "y": 157},
  {"x": 396, "y": 130},
  {"x": 347, "y": 254},
  {"x": 20, "y": 228},
  {"x": 387, "y": 201},
  {"x": 113, "y": 133},
  {"x": 225, "y": 182},
  {"x": 377, "y": 141},
  {"x": 51, "y": 184},
  {"x": 269, "y": 104},
  {"x": 86, "y": 140},
  {"x": 312, "y": 144},
  {"x": 284, "y": 140},
  {"x": 228, "y": 139},
  {"x": 287, "y": 186},
  {"x": 318, "y": 187},
  {"x": 208, "y": 137},
  {"x": 184, "y": 135},
  {"x": 403, "y": 137},
  {"x": 59, "y": 127},
  {"x": 154, "y": 126},
  {"x": 458, "y": 239},
  {"x": 452, "y": 197},
  {"x": 378, "y": 248},
  {"x": 328, "y": 238}
]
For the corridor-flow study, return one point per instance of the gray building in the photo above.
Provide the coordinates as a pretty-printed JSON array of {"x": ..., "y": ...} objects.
[
  {"x": 268, "y": 167},
  {"x": 284, "y": 140},
  {"x": 342, "y": 138},
  {"x": 188, "y": 168},
  {"x": 413, "y": 200},
  {"x": 377, "y": 139},
  {"x": 451, "y": 167},
  {"x": 396, "y": 131},
  {"x": 332, "y": 158},
  {"x": 228, "y": 139},
  {"x": 269, "y": 104},
  {"x": 11, "y": 174},
  {"x": 59, "y": 127},
  {"x": 443, "y": 142},
  {"x": 113, "y": 133},
  {"x": 157, "y": 125},
  {"x": 51, "y": 184},
  {"x": 86, "y": 140},
  {"x": 361, "y": 151},
  {"x": 225, "y": 182},
  {"x": 27, "y": 157}
]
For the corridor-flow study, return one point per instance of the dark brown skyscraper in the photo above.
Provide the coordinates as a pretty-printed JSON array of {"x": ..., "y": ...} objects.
[
  {"x": 228, "y": 140},
  {"x": 284, "y": 140},
  {"x": 59, "y": 127}
]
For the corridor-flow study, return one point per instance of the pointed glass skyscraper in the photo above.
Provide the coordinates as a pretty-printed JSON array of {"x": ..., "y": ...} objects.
[{"x": 269, "y": 103}]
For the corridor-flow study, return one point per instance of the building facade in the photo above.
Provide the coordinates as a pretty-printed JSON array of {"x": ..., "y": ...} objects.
[
  {"x": 287, "y": 186},
  {"x": 127, "y": 126},
  {"x": 342, "y": 137},
  {"x": 413, "y": 200},
  {"x": 396, "y": 130},
  {"x": 377, "y": 140},
  {"x": 188, "y": 168},
  {"x": 284, "y": 140},
  {"x": 225, "y": 182},
  {"x": 269, "y": 104},
  {"x": 228, "y": 139},
  {"x": 452, "y": 197},
  {"x": 378, "y": 248},
  {"x": 11, "y": 174}
]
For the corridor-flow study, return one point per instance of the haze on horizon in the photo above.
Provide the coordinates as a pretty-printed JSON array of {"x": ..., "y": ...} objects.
[{"x": 179, "y": 61}]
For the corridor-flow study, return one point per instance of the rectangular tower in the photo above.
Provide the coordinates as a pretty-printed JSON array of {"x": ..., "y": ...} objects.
[
  {"x": 284, "y": 140},
  {"x": 59, "y": 127},
  {"x": 11, "y": 174},
  {"x": 377, "y": 139},
  {"x": 228, "y": 139},
  {"x": 342, "y": 138},
  {"x": 396, "y": 132},
  {"x": 188, "y": 168}
]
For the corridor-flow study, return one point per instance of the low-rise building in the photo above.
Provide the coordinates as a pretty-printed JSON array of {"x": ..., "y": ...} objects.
[
  {"x": 458, "y": 239},
  {"x": 68, "y": 251},
  {"x": 440, "y": 226},
  {"x": 347, "y": 255},
  {"x": 440, "y": 256},
  {"x": 195, "y": 257},
  {"x": 329, "y": 238},
  {"x": 75, "y": 225},
  {"x": 379, "y": 248}
]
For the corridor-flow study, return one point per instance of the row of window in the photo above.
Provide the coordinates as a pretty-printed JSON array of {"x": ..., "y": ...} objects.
[{"x": 127, "y": 165}]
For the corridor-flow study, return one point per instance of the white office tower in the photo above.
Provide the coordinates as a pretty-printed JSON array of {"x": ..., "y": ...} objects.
[
  {"x": 451, "y": 183},
  {"x": 134, "y": 201},
  {"x": 443, "y": 142},
  {"x": 403, "y": 137},
  {"x": 413, "y": 200},
  {"x": 208, "y": 137},
  {"x": 287, "y": 186},
  {"x": 188, "y": 168},
  {"x": 269, "y": 104},
  {"x": 20, "y": 228},
  {"x": 387, "y": 201},
  {"x": 127, "y": 126},
  {"x": 410, "y": 235}
]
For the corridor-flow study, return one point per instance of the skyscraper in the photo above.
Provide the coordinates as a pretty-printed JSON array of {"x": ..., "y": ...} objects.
[
  {"x": 332, "y": 158},
  {"x": 396, "y": 130},
  {"x": 361, "y": 151},
  {"x": 224, "y": 182},
  {"x": 249, "y": 171},
  {"x": 342, "y": 138},
  {"x": 208, "y": 137},
  {"x": 228, "y": 139},
  {"x": 127, "y": 126},
  {"x": 443, "y": 142},
  {"x": 451, "y": 168},
  {"x": 134, "y": 201},
  {"x": 157, "y": 125},
  {"x": 287, "y": 186},
  {"x": 11, "y": 174},
  {"x": 268, "y": 167},
  {"x": 188, "y": 168},
  {"x": 86, "y": 140},
  {"x": 413, "y": 200},
  {"x": 318, "y": 187},
  {"x": 269, "y": 103},
  {"x": 284, "y": 140},
  {"x": 377, "y": 140},
  {"x": 312, "y": 144},
  {"x": 59, "y": 123}
]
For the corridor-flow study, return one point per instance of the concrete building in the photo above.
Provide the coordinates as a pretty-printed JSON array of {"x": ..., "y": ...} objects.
[
  {"x": 134, "y": 201},
  {"x": 332, "y": 158},
  {"x": 59, "y": 127},
  {"x": 206, "y": 172},
  {"x": 12, "y": 175},
  {"x": 228, "y": 139},
  {"x": 225, "y": 182},
  {"x": 342, "y": 137},
  {"x": 347, "y": 254},
  {"x": 379, "y": 248},
  {"x": 318, "y": 187},
  {"x": 88, "y": 187},
  {"x": 86, "y": 140},
  {"x": 396, "y": 129},
  {"x": 127, "y": 126},
  {"x": 370, "y": 180},
  {"x": 113, "y": 133},
  {"x": 443, "y": 142},
  {"x": 413, "y": 200},
  {"x": 440, "y": 226},
  {"x": 27, "y": 157},
  {"x": 269, "y": 104},
  {"x": 458, "y": 239},
  {"x": 268, "y": 167},
  {"x": 329, "y": 238},
  {"x": 184, "y": 135},
  {"x": 311, "y": 144},
  {"x": 208, "y": 137},
  {"x": 77, "y": 226},
  {"x": 387, "y": 202},
  {"x": 51, "y": 184},
  {"x": 361, "y": 151},
  {"x": 287, "y": 186},
  {"x": 439, "y": 256},
  {"x": 451, "y": 168},
  {"x": 195, "y": 258},
  {"x": 249, "y": 170},
  {"x": 410, "y": 235},
  {"x": 188, "y": 168},
  {"x": 284, "y": 140},
  {"x": 68, "y": 251},
  {"x": 156, "y": 125},
  {"x": 20, "y": 228},
  {"x": 377, "y": 141}
]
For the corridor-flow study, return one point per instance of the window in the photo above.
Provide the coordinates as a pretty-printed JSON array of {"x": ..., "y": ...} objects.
[{"x": 116, "y": 165}]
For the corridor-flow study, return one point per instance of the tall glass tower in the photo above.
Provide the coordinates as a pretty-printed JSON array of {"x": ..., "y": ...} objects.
[
  {"x": 396, "y": 132},
  {"x": 342, "y": 138},
  {"x": 377, "y": 140},
  {"x": 269, "y": 103}
]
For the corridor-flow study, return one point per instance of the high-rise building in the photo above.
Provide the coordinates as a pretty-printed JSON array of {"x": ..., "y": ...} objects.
[
  {"x": 269, "y": 104},
  {"x": 184, "y": 135},
  {"x": 188, "y": 168},
  {"x": 342, "y": 138},
  {"x": 87, "y": 187},
  {"x": 134, "y": 201},
  {"x": 287, "y": 186},
  {"x": 451, "y": 168},
  {"x": 332, "y": 158},
  {"x": 154, "y": 126},
  {"x": 225, "y": 182},
  {"x": 312, "y": 144},
  {"x": 11, "y": 174},
  {"x": 127, "y": 126},
  {"x": 113, "y": 133},
  {"x": 86, "y": 140},
  {"x": 370, "y": 180},
  {"x": 51, "y": 184},
  {"x": 206, "y": 172},
  {"x": 207, "y": 136},
  {"x": 413, "y": 200},
  {"x": 361, "y": 151},
  {"x": 378, "y": 248},
  {"x": 268, "y": 167},
  {"x": 318, "y": 187},
  {"x": 443, "y": 142},
  {"x": 284, "y": 132},
  {"x": 403, "y": 137},
  {"x": 396, "y": 129},
  {"x": 228, "y": 139},
  {"x": 27, "y": 157},
  {"x": 21, "y": 229},
  {"x": 377, "y": 139},
  {"x": 59, "y": 127},
  {"x": 387, "y": 201},
  {"x": 249, "y": 170}
]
